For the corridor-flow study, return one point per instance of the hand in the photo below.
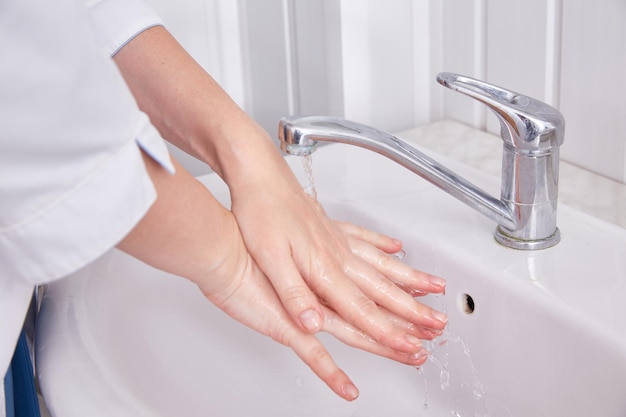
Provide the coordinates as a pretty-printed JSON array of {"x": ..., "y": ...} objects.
[
  {"x": 305, "y": 256},
  {"x": 251, "y": 299},
  {"x": 377, "y": 251}
]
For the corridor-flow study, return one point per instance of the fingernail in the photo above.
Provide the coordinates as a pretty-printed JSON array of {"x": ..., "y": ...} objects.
[
  {"x": 438, "y": 315},
  {"x": 350, "y": 392},
  {"x": 413, "y": 340},
  {"x": 437, "y": 281},
  {"x": 419, "y": 356},
  {"x": 311, "y": 320},
  {"x": 436, "y": 333}
]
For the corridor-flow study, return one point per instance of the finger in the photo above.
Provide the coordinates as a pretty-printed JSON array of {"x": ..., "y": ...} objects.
[
  {"x": 385, "y": 293},
  {"x": 327, "y": 276},
  {"x": 313, "y": 353},
  {"x": 421, "y": 332},
  {"x": 256, "y": 304},
  {"x": 344, "y": 296},
  {"x": 413, "y": 281},
  {"x": 354, "y": 337},
  {"x": 296, "y": 296},
  {"x": 385, "y": 243}
]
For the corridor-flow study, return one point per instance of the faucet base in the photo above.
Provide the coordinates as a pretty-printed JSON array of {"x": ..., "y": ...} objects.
[{"x": 511, "y": 242}]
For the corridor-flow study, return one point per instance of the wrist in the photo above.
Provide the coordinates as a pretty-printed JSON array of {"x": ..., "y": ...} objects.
[{"x": 242, "y": 153}]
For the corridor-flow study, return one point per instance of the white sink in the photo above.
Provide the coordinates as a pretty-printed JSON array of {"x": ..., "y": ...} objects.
[{"x": 546, "y": 337}]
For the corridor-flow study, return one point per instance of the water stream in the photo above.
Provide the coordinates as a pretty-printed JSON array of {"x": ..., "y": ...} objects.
[
  {"x": 309, "y": 179},
  {"x": 462, "y": 389}
]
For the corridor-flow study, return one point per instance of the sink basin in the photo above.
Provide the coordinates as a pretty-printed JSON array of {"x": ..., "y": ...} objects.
[{"x": 530, "y": 333}]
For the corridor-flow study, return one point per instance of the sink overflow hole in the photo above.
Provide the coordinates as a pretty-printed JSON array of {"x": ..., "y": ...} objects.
[{"x": 468, "y": 304}]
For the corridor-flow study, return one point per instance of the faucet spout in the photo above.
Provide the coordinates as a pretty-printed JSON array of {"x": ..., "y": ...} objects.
[
  {"x": 532, "y": 132},
  {"x": 299, "y": 136}
]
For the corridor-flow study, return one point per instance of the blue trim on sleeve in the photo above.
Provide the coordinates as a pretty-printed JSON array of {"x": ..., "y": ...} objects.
[{"x": 127, "y": 41}]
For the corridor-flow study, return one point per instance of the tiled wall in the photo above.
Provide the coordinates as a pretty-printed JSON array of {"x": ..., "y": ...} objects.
[{"x": 375, "y": 61}]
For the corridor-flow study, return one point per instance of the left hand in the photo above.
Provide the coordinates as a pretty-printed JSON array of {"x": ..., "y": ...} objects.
[
  {"x": 305, "y": 255},
  {"x": 250, "y": 299}
]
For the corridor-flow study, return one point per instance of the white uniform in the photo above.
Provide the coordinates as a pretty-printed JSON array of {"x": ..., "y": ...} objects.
[{"x": 72, "y": 181}]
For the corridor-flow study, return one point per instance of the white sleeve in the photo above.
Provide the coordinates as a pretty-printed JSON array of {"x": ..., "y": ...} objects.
[
  {"x": 72, "y": 179},
  {"x": 116, "y": 22},
  {"x": 72, "y": 182}
]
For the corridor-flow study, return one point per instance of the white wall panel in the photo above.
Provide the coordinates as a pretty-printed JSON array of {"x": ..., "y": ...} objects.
[
  {"x": 517, "y": 46},
  {"x": 427, "y": 58},
  {"x": 317, "y": 52},
  {"x": 267, "y": 64},
  {"x": 593, "y": 91},
  {"x": 226, "y": 61},
  {"x": 293, "y": 59},
  {"x": 377, "y": 43},
  {"x": 463, "y": 52}
]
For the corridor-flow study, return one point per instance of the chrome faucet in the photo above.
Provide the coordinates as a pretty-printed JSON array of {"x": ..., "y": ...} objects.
[{"x": 532, "y": 132}]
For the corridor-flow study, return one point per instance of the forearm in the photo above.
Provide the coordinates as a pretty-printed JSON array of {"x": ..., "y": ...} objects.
[
  {"x": 288, "y": 237},
  {"x": 192, "y": 111},
  {"x": 186, "y": 231}
]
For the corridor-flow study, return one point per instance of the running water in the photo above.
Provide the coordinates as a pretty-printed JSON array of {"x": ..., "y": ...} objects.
[
  {"x": 460, "y": 386},
  {"x": 309, "y": 180}
]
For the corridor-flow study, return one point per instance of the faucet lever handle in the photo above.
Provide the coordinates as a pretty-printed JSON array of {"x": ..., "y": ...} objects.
[{"x": 526, "y": 123}]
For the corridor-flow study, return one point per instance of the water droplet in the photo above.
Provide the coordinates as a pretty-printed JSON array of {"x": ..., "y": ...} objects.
[
  {"x": 458, "y": 382},
  {"x": 400, "y": 254},
  {"x": 425, "y": 394},
  {"x": 299, "y": 382}
]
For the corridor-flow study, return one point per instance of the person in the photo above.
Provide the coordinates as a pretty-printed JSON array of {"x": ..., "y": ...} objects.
[{"x": 87, "y": 94}]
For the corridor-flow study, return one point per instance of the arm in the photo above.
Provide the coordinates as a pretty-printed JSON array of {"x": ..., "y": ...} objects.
[
  {"x": 301, "y": 252},
  {"x": 188, "y": 233}
]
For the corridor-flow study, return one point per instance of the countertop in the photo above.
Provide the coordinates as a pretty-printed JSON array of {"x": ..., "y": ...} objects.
[{"x": 580, "y": 189}]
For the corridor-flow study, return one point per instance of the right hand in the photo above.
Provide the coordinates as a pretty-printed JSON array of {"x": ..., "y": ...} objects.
[
  {"x": 250, "y": 299},
  {"x": 244, "y": 292}
]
